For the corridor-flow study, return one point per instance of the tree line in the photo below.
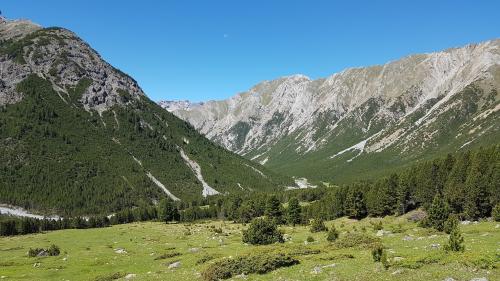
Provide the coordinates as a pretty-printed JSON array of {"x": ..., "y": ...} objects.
[{"x": 466, "y": 185}]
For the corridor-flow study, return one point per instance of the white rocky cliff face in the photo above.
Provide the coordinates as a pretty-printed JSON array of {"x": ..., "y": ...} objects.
[{"x": 364, "y": 106}]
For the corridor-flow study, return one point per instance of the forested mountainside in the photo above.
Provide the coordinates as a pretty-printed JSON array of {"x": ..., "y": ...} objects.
[
  {"x": 361, "y": 122},
  {"x": 78, "y": 136}
]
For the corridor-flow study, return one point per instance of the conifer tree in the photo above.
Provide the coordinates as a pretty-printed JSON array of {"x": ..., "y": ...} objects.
[
  {"x": 274, "y": 210},
  {"x": 294, "y": 211},
  {"x": 456, "y": 241},
  {"x": 438, "y": 212}
]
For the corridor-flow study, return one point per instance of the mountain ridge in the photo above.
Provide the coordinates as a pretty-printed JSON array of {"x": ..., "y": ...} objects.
[
  {"x": 276, "y": 117},
  {"x": 79, "y": 136}
]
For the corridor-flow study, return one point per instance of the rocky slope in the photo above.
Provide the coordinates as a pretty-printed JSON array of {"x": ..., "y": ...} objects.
[
  {"x": 78, "y": 136},
  {"x": 361, "y": 121}
]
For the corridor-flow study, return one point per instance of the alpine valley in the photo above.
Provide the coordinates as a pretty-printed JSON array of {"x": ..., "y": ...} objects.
[
  {"x": 362, "y": 122},
  {"x": 78, "y": 136}
]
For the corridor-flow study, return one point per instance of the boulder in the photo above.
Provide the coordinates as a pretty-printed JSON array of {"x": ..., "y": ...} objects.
[{"x": 173, "y": 265}]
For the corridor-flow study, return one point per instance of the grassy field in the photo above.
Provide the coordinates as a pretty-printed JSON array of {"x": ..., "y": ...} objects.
[{"x": 94, "y": 254}]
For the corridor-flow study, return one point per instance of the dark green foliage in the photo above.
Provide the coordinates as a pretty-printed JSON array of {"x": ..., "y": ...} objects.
[
  {"x": 356, "y": 207},
  {"x": 451, "y": 223},
  {"x": 377, "y": 252},
  {"x": 53, "y": 250},
  {"x": 274, "y": 209},
  {"x": 456, "y": 241},
  {"x": 262, "y": 231},
  {"x": 294, "y": 212},
  {"x": 167, "y": 211},
  {"x": 496, "y": 212},
  {"x": 110, "y": 277},
  {"x": 332, "y": 235},
  {"x": 318, "y": 225},
  {"x": 384, "y": 260},
  {"x": 168, "y": 255},
  {"x": 310, "y": 239},
  {"x": 438, "y": 213},
  {"x": 254, "y": 263},
  {"x": 83, "y": 170}
]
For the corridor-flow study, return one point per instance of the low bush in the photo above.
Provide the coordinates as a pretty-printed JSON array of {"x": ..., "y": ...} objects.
[
  {"x": 332, "y": 235},
  {"x": 377, "y": 251},
  {"x": 310, "y": 239},
  {"x": 110, "y": 277},
  {"x": 168, "y": 255},
  {"x": 53, "y": 250},
  {"x": 355, "y": 240},
  {"x": 262, "y": 231},
  {"x": 205, "y": 259},
  {"x": 318, "y": 225},
  {"x": 255, "y": 263}
]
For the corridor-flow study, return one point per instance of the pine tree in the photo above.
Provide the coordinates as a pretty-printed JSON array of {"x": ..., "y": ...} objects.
[
  {"x": 496, "y": 213},
  {"x": 456, "y": 241},
  {"x": 274, "y": 210},
  {"x": 438, "y": 213},
  {"x": 357, "y": 206},
  {"x": 294, "y": 212},
  {"x": 167, "y": 211},
  {"x": 332, "y": 235}
]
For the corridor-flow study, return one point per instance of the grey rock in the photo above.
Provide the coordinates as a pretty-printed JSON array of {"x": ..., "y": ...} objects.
[{"x": 176, "y": 264}]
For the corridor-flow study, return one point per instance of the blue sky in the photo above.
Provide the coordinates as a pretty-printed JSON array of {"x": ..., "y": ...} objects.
[{"x": 202, "y": 50}]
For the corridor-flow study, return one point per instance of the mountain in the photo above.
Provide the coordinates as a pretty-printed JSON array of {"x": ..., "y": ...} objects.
[
  {"x": 362, "y": 122},
  {"x": 78, "y": 136}
]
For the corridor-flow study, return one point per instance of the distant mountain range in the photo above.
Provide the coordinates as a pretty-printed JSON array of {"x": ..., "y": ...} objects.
[
  {"x": 361, "y": 122},
  {"x": 78, "y": 136}
]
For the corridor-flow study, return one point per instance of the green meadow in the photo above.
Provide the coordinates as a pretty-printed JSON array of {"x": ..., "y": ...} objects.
[{"x": 150, "y": 250}]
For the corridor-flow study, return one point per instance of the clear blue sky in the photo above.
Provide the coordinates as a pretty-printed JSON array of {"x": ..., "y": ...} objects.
[{"x": 202, "y": 50}]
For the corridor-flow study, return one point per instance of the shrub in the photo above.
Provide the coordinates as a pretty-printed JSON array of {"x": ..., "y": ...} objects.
[
  {"x": 495, "y": 213},
  {"x": 310, "y": 239},
  {"x": 450, "y": 223},
  {"x": 332, "y": 235},
  {"x": 377, "y": 252},
  {"x": 255, "y": 263},
  {"x": 110, "y": 277},
  {"x": 205, "y": 259},
  {"x": 377, "y": 226},
  {"x": 456, "y": 241},
  {"x": 384, "y": 260},
  {"x": 54, "y": 250},
  {"x": 317, "y": 225},
  {"x": 168, "y": 255},
  {"x": 262, "y": 232},
  {"x": 355, "y": 239},
  {"x": 34, "y": 252}
]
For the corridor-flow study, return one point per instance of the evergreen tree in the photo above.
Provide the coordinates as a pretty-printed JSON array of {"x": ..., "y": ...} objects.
[
  {"x": 356, "y": 205},
  {"x": 496, "y": 213},
  {"x": 294, "y": 212},
  {"x": 456, "y": 241},
  {"x": 332, "y": 235},
  {"x": 438, "y": 213},
  {"x": 262, "y": 231},
  {"x": 274, "y": 210},
  {"x": 451, "y": 223},
  {"x": 318, "y": 225},
  {"x": 167, "y": 211},
  {"x": 247, "y": 211}
]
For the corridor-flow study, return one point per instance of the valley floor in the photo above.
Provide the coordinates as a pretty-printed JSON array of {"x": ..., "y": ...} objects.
[{"x": 135, "y": 249}]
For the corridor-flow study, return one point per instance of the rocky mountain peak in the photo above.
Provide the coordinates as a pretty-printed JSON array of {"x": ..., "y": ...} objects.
[{"x": 11, "y": 29}]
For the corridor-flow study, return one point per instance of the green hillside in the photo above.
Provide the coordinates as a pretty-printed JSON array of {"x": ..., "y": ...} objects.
[{"x": 58, "y": 156}]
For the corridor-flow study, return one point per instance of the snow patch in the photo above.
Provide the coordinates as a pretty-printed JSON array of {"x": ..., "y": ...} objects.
[
  {"x": 207, "y": 189},
  {"x": 160, "y": 185}
]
